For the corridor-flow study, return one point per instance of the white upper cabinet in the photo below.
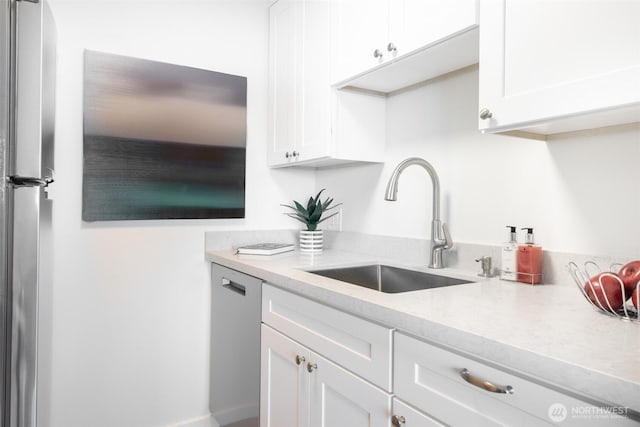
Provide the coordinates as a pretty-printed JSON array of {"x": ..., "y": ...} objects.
[
  {"x": 296, "y": 90},
  {"x": 359, "y": 36},
  {"x": 414, "y": 24},
  {"x": 385, "y": 45},
  {"x": 310, "y": 123},
  {"x": 556, "y": 66},
  {"x": 285, "y": 21}
]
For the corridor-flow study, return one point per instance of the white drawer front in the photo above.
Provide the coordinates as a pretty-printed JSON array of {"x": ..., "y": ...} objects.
[
  {"x": 429, "y": 378},
  {"x": 358, "y": 345},
  {"x": 410, "y": 417}
]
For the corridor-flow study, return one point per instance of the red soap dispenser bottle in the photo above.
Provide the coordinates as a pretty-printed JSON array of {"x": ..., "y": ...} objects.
[{"x": 529, "y": 260}]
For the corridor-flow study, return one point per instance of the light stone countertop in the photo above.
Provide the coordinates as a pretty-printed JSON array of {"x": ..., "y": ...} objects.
[{"x": 547, "y": 332}]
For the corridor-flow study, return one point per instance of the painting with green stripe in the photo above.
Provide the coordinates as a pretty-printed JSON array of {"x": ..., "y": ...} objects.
[{"x": 161, "y": 141}]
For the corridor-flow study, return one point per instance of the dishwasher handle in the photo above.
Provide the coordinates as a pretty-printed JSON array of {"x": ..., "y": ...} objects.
[{"x": 234, "y": 286}]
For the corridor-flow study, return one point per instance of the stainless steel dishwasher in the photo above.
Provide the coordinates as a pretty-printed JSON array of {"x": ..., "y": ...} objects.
[{"x": 235, "y": 347}]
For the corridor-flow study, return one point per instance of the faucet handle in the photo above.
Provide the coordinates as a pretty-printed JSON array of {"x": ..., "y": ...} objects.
[
  {"x": 448, "y": 241},
  {"x": 438, "y": 245}
]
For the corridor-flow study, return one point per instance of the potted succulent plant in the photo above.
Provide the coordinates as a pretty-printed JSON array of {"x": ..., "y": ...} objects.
[{"x": 311, "y": 215}]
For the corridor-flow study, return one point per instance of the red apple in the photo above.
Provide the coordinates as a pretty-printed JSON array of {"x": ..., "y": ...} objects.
[
  {"x": 607, "y": 285},
  {"x": 635, "y": 299},
  {"x": 630, "y": 275}
]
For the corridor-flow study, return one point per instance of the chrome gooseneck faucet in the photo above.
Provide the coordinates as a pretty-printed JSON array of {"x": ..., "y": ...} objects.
[{"x": 438, "y": 243}]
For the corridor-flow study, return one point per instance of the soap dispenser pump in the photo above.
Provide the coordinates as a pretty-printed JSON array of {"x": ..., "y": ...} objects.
[
  {"x": 508, "y": 266},
  {"x": 529, "y": 260}
]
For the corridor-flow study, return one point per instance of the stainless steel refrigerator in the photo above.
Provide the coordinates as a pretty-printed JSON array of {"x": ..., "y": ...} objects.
[{"x": 27, "y": 79}]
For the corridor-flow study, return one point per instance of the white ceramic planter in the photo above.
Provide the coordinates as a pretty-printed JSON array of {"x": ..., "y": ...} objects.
[{"x": 311, "y": 241}]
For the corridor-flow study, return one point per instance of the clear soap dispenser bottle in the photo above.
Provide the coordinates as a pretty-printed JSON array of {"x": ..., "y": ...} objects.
[
  {"x": 508, "y": 266},
  {"x": 529, "y": 260}
]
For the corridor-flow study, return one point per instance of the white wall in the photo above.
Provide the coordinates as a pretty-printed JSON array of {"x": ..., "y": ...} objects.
[
  {"x": 129, "y": 310},
  {"x": 578, "y": 190}
]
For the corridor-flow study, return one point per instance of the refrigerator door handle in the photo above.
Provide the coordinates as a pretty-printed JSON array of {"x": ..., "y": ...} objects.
[
  {"x": 28, "y": 181},
  {"x": 25, "y": 277}
]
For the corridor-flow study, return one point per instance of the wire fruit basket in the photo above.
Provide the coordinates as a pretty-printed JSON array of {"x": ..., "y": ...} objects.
[{"x": 605, "y": 290}]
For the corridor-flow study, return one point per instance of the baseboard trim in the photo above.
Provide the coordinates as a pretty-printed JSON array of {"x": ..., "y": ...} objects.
[{"x": 232, "y": 415}]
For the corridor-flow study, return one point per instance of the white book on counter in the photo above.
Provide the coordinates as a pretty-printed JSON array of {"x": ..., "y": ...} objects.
[{"x": 265, "y": 248}]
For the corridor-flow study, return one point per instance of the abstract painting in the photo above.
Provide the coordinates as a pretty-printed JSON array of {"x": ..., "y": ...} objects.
[{"x": 161, "y": 141}]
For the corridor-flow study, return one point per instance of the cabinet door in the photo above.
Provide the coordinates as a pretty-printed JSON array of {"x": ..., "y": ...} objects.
[
  {"x": 314, "y": 84},
  {"x": 299, "y": 117},
  {"x": 284, "y": 383},
  {"x": 418, "y": 23},
  {"x": 545, "y": 61},
  {"x": 359, "y": 27},
  {"x": 339, "y": 398},
  {"x": 285, "y": 29}
]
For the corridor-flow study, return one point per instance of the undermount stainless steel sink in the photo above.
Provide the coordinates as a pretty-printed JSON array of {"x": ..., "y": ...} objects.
[{"x": 388, "y": 279}]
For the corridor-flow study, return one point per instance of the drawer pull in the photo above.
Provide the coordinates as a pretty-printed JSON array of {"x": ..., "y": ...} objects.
[
  {"x": 300, "y": 359},
  {"x": 486, "y": 385},
  {"x": 312, "y": 367},
  {"x": 398, "y": 421},
  {"x": 485, "y": 114}
]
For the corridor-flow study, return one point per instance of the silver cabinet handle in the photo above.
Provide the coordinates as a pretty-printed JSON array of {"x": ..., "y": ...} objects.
[
  {"x": 312, "y": 366},
  {"x": 485, "y": 114},
  {"x": 377, "y": 54},
  {"x": 398, "y": 421},
  {"x": 391, "y": 47},
  {"x": 295, "y": 154},
  {"x": 485, "y": 385},
  {"x": 300, "y": 359}
]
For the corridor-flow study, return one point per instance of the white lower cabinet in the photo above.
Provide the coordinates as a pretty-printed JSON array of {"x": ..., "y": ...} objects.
[
  {"x": 284, "y": 382},
  {"x": 323, "y": 367},
  {"x": 460, "y": 391},
  {"x": 301, "y": 388},
  {"x": 340, "y": 398}
]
